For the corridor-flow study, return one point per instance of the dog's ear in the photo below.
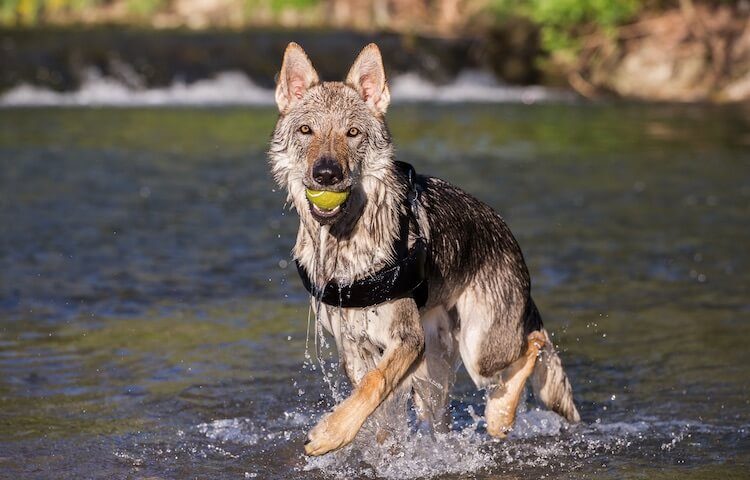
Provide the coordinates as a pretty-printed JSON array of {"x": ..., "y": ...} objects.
[
  {"x": 367, "y": 76},
  {"x": 296, "y": 77}
]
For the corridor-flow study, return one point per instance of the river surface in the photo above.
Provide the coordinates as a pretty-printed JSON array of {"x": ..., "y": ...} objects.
[{"x": 152, "y": 327}]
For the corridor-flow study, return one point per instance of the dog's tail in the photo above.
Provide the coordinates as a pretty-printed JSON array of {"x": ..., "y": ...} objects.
[{"x": 551, "y": 385}]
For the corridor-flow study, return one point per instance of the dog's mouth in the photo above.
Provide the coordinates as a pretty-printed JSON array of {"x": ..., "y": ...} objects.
[{"x": 326, "y": 213}]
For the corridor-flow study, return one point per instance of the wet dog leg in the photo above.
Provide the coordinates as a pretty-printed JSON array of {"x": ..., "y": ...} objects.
[
  {"x": 502, "y": 400},
  {"x": 340, "y": 427}
]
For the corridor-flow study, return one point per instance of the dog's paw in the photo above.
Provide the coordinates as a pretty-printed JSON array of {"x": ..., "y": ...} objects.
[
  {"x": 499, "y": 432},
  {"x": 500, "y": 418},
  {"x": 331, "y": 433},
  {"x": 536, "y": 342}
]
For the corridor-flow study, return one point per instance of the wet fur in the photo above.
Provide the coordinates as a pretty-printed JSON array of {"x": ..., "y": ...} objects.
[{"x": 479, "y": 309}]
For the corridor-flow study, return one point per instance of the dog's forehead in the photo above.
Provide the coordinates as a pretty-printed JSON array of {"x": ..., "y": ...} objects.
[{"x": 334, "y": 100}]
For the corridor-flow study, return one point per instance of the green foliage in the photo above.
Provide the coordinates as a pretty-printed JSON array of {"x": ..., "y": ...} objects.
[
  {"x": 277, "y": 6},
  {"x": 30, "y": 12},
  {"x": 7, "y": 11},
  {"x": 144, "y": 8},
  {"x": 559, "y": 20}
]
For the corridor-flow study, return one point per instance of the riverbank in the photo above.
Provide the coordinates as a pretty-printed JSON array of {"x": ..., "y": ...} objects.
[
  {"x": 688, "y": 54},
  {"x": 692, "y": 53}
]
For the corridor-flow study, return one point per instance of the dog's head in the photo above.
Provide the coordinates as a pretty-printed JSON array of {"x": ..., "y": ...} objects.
[{"x": 330, "y": 135}]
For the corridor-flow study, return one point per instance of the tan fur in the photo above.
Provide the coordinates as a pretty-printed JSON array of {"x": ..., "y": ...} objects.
[
  {"x": 340, "y": 426},
  {"x": 330, "y": 143},
  {"x": 502, "y": 400}
]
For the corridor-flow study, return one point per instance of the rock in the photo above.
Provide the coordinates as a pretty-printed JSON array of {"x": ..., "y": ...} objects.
[
  {"x": 668, "y": 58},
  {"x": 737, "y": 90}
]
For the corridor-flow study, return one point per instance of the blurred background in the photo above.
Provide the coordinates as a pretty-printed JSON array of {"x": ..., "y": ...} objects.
[
  {"x": 673, "y": 50},
  {"x": 152, "y": 325}
]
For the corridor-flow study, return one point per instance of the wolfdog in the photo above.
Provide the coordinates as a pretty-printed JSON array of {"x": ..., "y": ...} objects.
[{"x": 410, "y": 275}]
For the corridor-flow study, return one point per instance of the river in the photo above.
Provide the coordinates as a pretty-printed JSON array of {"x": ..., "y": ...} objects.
[{"x": 152, "y": 325}]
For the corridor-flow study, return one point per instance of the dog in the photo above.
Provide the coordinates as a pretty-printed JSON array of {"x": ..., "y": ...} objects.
[{"x": 410, "y": 275}]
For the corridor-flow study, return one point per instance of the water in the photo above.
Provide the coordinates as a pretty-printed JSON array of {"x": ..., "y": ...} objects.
[{"x": 151, "y": 325}]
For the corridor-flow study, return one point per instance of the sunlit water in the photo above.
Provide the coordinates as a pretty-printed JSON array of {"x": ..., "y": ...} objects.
[{"x": 151, "y": 325}]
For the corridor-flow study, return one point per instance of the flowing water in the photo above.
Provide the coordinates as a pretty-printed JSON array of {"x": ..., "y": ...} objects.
[{"x": 152, "y": 326}]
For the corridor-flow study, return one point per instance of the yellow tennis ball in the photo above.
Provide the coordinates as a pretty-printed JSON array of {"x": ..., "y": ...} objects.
[{"x": 325, "y": 199}]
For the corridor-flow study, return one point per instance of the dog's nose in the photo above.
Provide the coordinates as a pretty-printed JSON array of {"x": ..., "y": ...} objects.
[{"x": 327, "y": 171}]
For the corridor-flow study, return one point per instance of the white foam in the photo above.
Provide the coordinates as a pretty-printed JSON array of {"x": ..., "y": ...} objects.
[
  {"x": 226, "y": 88},
  {"x": 235, "y": 88},
  {"x": 471, "y": 86}
]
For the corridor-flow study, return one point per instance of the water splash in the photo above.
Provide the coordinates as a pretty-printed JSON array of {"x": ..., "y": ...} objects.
[
  {"x": 236, "y": 430},
  {"x": 540, "y": 440}
]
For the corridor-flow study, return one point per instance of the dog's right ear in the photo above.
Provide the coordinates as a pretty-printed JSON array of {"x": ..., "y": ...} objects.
[
  {"x": 296, "y": 77},
  {"x": 367, "y": 77}
]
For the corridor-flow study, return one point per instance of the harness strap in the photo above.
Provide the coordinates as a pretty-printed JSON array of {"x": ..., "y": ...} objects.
[{"x": 407, "y": 277}]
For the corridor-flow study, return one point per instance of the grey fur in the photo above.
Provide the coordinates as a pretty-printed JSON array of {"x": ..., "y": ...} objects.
[
  {"x": 551, "y": 385},
  {"x": 479, "y": 303}
]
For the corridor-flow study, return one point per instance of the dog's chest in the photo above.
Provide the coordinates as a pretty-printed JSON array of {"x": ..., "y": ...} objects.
[
  {"x": 343, "y": 261},
  {"x": 361, "y": 335}
]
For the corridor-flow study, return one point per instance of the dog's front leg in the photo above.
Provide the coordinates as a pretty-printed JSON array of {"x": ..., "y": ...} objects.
[{"x": 406, "y": 342}]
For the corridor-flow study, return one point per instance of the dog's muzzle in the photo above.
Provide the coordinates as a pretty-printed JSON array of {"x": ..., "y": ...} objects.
[{"x": 329, "y": 196}]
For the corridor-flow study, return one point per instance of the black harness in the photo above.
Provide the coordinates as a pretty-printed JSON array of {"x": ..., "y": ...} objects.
[{"x": 407, "y": 277}]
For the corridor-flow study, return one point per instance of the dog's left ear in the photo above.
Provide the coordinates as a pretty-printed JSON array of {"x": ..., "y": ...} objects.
[
  {"x": 367, "y": 76},
  {"x": 296, "y": 77}
]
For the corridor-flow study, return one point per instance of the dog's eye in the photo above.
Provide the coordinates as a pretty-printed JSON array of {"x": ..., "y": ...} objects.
[
  {"x": 353, "y": 132},
  {"x": 305, "y": 129}
]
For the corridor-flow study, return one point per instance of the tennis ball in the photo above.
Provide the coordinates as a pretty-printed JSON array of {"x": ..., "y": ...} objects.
[{"x": 326, "y": 200}]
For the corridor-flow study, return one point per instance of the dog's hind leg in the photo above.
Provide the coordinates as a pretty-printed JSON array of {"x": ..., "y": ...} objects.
[
  {"x": 498, "y": 349},
  {"x": 404, "y": 343},
  {"x": 502, "y": 399}
]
